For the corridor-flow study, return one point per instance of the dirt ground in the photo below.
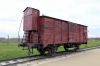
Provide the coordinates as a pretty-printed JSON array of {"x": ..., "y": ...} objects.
[{"x": 88, "y": 58}]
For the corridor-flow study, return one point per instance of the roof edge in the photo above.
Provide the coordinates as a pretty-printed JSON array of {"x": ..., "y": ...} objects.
[
  {"x": 31, "y": 8},
  {"x": 61, "y": 20}
]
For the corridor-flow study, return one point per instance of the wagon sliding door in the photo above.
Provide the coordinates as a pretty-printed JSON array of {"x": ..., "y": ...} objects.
[
  {"x": 64, "y": 32},
  {"x": 73, "y": 31},
  {"x": 57, "y": 34},
  {"x": 85, "y": 35},
  {"x": 48, "y": 31}
]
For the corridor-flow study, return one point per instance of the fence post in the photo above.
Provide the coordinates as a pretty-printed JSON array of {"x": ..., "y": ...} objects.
[{"x": 8, "y": 40}]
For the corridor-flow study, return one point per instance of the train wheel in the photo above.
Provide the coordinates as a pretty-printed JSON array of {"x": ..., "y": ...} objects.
[
  {"x": 41, "y": 52},
  {"x": 52, "y": 51},
  {"x": 40, "y": 49},
  {"x": 65, "y": 47},
  {"x": 76, "y": 47}
]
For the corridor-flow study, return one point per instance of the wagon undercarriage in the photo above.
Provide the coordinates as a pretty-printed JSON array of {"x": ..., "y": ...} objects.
[{"x": 51, "y": 48}]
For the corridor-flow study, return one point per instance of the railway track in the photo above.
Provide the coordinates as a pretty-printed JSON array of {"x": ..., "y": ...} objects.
[{"x": 37, "y": 58}]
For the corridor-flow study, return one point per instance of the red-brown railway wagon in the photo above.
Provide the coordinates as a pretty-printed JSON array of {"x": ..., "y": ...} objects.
[{"x": 48, "y": 33}]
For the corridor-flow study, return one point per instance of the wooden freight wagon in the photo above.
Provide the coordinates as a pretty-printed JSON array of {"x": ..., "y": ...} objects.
[{"x": 47, "y": 33}]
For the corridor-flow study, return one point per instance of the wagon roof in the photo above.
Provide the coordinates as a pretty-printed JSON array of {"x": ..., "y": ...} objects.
[{"x": 61, "y": 20}]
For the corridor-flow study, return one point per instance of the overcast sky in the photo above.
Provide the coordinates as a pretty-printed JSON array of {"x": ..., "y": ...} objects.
[{"x": 86, "y": 12}]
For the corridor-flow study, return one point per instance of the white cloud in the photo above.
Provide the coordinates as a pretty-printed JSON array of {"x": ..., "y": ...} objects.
[{"x": 86, "y": 12}]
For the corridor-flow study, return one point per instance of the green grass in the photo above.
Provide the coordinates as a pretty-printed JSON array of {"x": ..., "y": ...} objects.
[
  {"x": 13, "y": 51},
  {"x": 91, "y": 44}
]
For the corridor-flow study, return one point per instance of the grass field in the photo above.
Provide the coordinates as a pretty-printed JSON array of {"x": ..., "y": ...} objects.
[{"x": 13, "y": 51}]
